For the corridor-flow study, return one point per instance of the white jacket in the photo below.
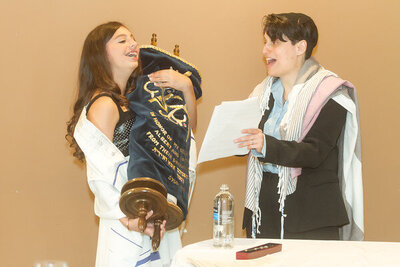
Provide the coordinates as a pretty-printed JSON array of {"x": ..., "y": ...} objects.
[{"x": 106, "y": 174}]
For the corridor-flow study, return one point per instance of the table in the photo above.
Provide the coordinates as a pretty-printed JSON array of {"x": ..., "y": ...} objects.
[{"x": 299, "y": 253}]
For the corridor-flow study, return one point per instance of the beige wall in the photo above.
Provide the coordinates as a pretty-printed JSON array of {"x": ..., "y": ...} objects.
[{"x": 46, "y": 207}]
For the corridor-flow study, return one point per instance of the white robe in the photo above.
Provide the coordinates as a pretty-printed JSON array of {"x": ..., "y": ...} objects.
[{"x": 106, "y": 174}]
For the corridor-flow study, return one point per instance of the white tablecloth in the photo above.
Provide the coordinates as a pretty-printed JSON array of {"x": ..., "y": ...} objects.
[{"x": 299, "y": 253}]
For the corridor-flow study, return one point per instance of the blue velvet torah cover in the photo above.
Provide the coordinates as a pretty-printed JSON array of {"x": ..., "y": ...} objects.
[{"x": 159, "y": 141}]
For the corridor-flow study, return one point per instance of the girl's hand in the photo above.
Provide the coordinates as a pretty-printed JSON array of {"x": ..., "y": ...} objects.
[
  {"x": 132, "y": 225},
  {"x": 170, "y": 78},
  {"x": 253, "y": 140}
]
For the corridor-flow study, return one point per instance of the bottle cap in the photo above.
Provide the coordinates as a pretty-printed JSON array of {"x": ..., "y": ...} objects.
[{"x": 224, "y": 187}]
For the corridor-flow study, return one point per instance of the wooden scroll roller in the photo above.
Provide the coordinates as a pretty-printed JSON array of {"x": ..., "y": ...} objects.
[{"x": 139, "y": 196}]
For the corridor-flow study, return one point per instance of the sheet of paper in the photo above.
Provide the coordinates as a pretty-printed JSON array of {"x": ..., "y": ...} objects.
[{"x": 227, "y": 121}]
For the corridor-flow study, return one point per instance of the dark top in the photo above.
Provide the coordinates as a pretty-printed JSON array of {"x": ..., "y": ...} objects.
[{"x": 123, "y": 127}]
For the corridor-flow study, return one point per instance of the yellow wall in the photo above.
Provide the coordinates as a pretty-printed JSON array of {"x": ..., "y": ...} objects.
[{"x": 46, "y": 206}]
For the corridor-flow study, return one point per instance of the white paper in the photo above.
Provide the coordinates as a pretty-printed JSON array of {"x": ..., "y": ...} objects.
[{"x": 226, "y": 124}]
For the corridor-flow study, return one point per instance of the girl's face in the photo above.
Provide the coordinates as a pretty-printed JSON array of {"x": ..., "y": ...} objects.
[
  {"x": 281, "y": 57},
  {"x": 122, "y": 52}
]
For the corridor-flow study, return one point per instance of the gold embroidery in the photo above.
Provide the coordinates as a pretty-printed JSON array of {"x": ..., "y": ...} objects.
[
  {"x": 167, "y": 111},
  {"x": 159, "y": 99}
]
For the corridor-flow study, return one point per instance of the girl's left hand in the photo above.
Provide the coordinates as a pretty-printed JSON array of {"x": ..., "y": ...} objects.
[
  {"x": 170, "y": 78},
  {"x": 253, "y": 140}
]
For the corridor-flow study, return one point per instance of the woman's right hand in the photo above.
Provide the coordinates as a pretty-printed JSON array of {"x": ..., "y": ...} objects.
[{"x": 132, "y": 225}]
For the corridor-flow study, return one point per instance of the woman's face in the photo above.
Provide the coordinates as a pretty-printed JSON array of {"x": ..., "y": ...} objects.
[
  {"x": 281, "y": 57},
  {"x": 122, "y": 52}
]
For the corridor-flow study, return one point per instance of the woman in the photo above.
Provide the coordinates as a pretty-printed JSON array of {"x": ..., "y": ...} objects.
[
  {"x": 99, "y": 131},
  {"x": 304, "y": 168}
]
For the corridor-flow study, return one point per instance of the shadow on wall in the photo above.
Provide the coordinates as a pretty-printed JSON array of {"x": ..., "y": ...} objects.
[{"x": 223, "y": 164}]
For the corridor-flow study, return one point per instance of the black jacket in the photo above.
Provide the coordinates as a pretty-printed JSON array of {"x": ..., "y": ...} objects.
[{"x": 317, "y": 201}]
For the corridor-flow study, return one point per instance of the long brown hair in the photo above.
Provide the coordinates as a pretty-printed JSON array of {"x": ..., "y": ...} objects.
[{"x": 95, "y": 75}]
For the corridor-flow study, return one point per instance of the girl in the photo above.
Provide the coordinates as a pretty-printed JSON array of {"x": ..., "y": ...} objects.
[{"x": 99, "y": 131}]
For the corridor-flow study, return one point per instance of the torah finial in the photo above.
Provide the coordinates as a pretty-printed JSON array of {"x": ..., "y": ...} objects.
[
  {"x": 154, "y": 39},
  {"x": 176, "y": 50}
]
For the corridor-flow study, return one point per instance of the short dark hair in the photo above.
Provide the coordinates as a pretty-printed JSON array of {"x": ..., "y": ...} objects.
[{"x": 295, "y": 26}]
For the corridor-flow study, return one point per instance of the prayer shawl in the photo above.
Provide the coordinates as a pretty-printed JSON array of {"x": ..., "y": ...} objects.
[{"x": 317, "y": 87}]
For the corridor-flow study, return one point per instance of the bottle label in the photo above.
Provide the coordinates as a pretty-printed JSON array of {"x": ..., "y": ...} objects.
[
  {"x": 223, "y": 218},
  {"x": 226, "y": 217},
  {"x": 216, "y": 217}
]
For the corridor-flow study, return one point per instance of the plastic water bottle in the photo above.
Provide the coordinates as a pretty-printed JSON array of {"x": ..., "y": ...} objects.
[{"x": 223, "y": 218}]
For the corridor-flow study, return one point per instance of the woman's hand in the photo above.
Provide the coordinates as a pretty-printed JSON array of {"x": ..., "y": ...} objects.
[
  {"x": 132, "y": 225},
  {"x": 170, "y": 78},
  {"x": 253, "y": 140}
]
